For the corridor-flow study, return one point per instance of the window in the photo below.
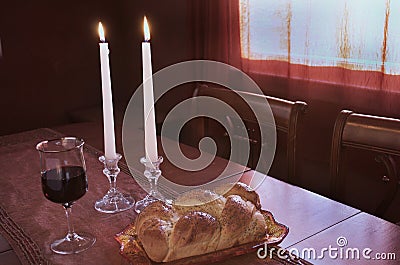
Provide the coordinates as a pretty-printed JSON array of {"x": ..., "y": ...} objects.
[{"x": 352, "y": 34}]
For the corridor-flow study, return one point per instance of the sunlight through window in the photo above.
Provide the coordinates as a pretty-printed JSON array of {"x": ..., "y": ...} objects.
[{"x": 354, "y": 34}]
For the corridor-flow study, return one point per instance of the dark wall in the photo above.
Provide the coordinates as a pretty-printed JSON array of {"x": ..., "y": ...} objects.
[
  {"x": 50, "y": 61},
  {"x": 50, "y": 57},
  {"x": 171, "y": 42}
]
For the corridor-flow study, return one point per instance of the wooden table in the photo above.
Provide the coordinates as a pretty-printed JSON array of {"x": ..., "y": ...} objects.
[
  {"x": 359, "y": 234},
  {"x": 304, "y": 212},
  {"x": 314, "y": 221}
]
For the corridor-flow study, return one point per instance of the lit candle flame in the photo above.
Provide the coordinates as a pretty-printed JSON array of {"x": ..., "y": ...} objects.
[
  {"x": 146, "y": 30},
  {"x": 101, "y": 32}
]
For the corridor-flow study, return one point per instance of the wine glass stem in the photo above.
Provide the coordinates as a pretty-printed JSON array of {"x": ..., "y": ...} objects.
[{"x": 71, "y": 231}]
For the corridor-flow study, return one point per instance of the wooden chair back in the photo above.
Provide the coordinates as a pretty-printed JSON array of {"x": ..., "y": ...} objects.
[
  {"x": 285, "y": 113},
  {"x": 380, "y": 135}
]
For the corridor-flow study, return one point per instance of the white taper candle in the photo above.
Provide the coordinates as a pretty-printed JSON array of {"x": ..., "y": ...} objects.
[
  {"x": 148, "y": 96},
  {"x": 108, "y": 117}
]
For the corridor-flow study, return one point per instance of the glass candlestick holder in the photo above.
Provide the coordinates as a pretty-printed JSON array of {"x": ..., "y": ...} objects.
[
  {"x": 114, "y": 201},
  {"x": 152, "y": 172}
]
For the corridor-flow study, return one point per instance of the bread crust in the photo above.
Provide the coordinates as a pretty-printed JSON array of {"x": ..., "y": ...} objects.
[
  {"x": 241, "y": 189},
  {"x": 194, "y": 234},
  {"x": 198, "y": 225}
]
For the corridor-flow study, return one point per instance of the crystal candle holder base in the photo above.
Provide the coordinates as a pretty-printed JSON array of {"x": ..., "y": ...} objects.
[
  {"x": 113, "y": 201},
  {"x": 152, "y": 172}
]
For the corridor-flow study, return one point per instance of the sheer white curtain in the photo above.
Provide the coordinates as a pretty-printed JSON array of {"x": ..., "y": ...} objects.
[{"x": 353, "y": 34}]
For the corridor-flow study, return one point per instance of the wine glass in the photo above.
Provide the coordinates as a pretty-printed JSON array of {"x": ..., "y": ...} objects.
[{"x": 64, "y": 181}]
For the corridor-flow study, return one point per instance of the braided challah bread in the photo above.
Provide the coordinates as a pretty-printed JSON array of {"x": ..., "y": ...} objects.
[{"x": 201, "y": 222}]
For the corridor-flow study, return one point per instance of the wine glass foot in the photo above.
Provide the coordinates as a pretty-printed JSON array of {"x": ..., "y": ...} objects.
[
  {"x": 114, "y": 201},
  {"x": 73, "y": 243}
]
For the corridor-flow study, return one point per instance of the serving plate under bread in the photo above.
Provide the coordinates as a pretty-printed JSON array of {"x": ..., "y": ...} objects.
[{"x": 133, "y": 251}]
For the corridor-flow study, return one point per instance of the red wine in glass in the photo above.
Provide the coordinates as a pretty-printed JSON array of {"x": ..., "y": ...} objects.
[{"x": 65, "y": 184}]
